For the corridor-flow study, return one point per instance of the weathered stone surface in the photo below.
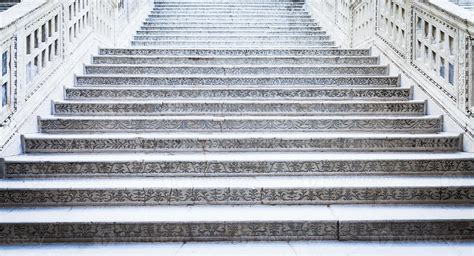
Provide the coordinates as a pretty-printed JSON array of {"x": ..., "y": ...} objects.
[
  {"x": 309, "y": 166},
  {"x": 237, "y": 121},
  {"x": 243, "y": 142},
  {"x": 285, "y": 107}
]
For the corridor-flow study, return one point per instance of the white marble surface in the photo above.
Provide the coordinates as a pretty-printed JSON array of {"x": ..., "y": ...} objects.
[
  {"x": 316, "y": 248},
  {"x": 235, "y": 213}
]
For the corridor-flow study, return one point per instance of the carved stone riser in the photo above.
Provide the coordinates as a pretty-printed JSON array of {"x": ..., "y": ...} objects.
[
  {"x": 195, "y": 12},
  {"x": 234, "y": 196},
  {"x": 241, "y": 23},
  {"x": 235, "y": 52},
  {"x": 250, "y": 33},
  {"x": 239, "y": 29},
  {"x": 236, "y": 43},
  {"x": 166, "y": 7},
  {"x": 103, "y": 232},
  {"x": 245, "y": 39},
  {"x": 222, "y": 144},
  {"x": 240, "y": 108},
  {"x": 235, "y": 71},
  {"x": 449, "y": 167},
  {"x": 274, "y": 3},
  {"x": 156, "y": 125},
  {"x": 236, "y": 81},
  {"x": 231, "y": 19},
  {"x": 236, "y": 60},
  {"x": 229, "y": 93}
]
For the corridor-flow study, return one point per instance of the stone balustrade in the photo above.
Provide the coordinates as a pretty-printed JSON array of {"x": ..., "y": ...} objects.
[
  {"x": 42, "y": 42},
  {"x": 429, "y": 41}
]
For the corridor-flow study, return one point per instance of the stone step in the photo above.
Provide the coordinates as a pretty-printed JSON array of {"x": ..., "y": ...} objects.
[
  {"x": 238, "y": 107},
  {"x": 255, "y": 4},
  {"x": 241, "y": 142},
  {"x": 91, "y": 124},
  {"x": 246, "y": 24},
  {"x": 236, "y": 11},
  {"x": 209, "y": 10},
  {"x": 198, "y": 52},
  {"x": 234, "y": 70},
  {"x": 235, "y": 223},
  {"x": 230, "y": 44},
  {"x": 224, "y": 33},
  {"x": 248, "y": 164},
  {"x": 231, "y": 3},
  {"x": 223, "y": 13},
  {"x": 243, "y": 248},
  {"x": 223, "y": 17},
  {"x": 285, "y": 190},
  {"x": 236, "y": 60},
  {"x": 238, "y": 29},
  {"x": 261, "y": 94},
  {"x": 232, "y": 20},
  {"x": 232, "y": 38},
  {"x": 215, "y": 80}
]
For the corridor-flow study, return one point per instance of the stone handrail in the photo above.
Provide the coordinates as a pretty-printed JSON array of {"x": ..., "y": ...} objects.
[
  {"x": 429, "y": 41},
  {"x": 44, "y": 41}
]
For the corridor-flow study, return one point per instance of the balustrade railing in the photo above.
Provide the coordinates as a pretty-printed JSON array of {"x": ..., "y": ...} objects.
[
  {"x": 39, "y": 38},
  {"x": 430, "y": 40}
]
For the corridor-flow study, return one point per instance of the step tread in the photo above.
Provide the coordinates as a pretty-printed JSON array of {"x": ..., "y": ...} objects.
[
  {"x": 236, "y": 135},
  {"x": 243, "y": 117},
  {"x": 291, "y": 248},
  {"x": 260, "y": 182},
  {"x": 236, "y": 157},
  {"x": 187, "y": 214},
  {"x": 231, "y": 76},
  {"x": 239, "y": 101},
  {"x": 231, "y": 66}
]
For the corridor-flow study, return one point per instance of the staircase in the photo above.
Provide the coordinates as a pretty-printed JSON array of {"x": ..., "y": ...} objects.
[{"x": 237, "y": 121}]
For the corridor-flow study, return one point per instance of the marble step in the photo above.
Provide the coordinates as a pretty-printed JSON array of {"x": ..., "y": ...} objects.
[
  {"x": 211, "y": 4},
  {"x": 237, "y": 23},
  {"x": 216, "y": 80},
  {"x": 261, "y": 94},
  {"x": 91, "y": 124},
  {"x": 236, "y": 60},
  {"x": 231, "y": 38},
  {"x": 238, "y": 107},
  {"x": 245, "y": 248},
  {"x": 284, "y": 190},
  {"x": 241, "y": 142},
  {"x": 235, "y": 11},
  {"x": 235, "y": 70},
  {"x": 256, "y": 4},
  {"x": 198, "y": 52},
  {"x": 248, "y": 164},
  {"x": 224, "y": 33},
  {"x": 203, "y": 23},
  {"x": 232, "y": 2},
  {"x": 223, "y": 17},
  {"x": 226, "y": 44},
  {"x": 219, "y": 13},
  {"x": 239, "y": 29},
  {"x": 235, "y": 223},
  {"x": 263, "y": 6}
]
